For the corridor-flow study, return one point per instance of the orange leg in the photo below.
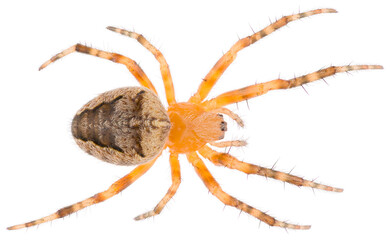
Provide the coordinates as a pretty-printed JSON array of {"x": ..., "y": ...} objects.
[
  {"x": 222, "y": 144},
  {"x": 224, "y": 62},
  {"x": 227, "y": 160},
  {"x": 176, "y": 179},
  {"x": 217, "y": 191},
  {"x": 133, "y": 67},
  {"x": 262, "y": 88},
  {"x": 164, "y": 68},
  {"x": 114, "y": 189}
]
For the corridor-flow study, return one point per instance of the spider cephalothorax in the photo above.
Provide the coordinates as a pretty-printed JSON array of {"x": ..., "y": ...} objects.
[
  {"x": 193, "y": 127},
  {"x": 129, "y": 126}
]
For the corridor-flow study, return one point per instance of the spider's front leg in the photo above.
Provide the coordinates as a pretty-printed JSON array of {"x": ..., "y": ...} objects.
[
  {"x": 225, "y": 61},
  {"x": 114, "y": 189},
  {"x": 225, "y": 198},
  {"x": 227, "y": 160},
  {"x": 262, "y": 88}
]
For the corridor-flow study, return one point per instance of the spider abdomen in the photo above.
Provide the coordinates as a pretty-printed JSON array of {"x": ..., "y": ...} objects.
[{"x": 125, "y": 126}]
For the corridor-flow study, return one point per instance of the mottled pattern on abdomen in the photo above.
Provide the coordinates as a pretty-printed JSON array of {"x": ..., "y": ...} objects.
[
  {"x": 96, "y": 125},
  {"x": 124, "y": 126}
]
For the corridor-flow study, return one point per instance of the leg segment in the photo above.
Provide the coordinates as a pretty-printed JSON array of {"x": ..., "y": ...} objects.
[
  {"x": 231, "y": 114},
  {"x": 176, "y": 179},
  {"x": 222, "y": 144},
  {"x": 133, "y": 67},
  {"x": 262, "y": 88},
  {"x": 224, "y": 62},
  {"x": 114, "y": 189},
  {"x": 227, "y": 160},
  {"x": 216, "y": 190},
  {"x": 164, "y": 68}
]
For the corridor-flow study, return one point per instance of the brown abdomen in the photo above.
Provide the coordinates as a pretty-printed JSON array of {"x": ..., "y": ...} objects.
[{"x": 124, "y": 126}]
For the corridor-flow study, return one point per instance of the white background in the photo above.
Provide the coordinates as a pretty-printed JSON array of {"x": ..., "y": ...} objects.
[{"x": 339, "y": 133}]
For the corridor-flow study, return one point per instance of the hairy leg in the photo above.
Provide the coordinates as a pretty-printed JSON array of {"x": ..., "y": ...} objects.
[
  {"x": 176, "y": 179},
  {"x": 114, "y": 189},
  {"x": 262, "y": 88},
  {"x": 217, "y": 191},
  {"x": 224, "y": 62},
  {"x": 227, "y": 160},
  {"x": 133, "y": 67},
  {"x": 164, "y": 68}
]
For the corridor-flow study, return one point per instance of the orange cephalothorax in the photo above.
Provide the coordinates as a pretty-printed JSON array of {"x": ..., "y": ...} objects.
[{"x": 193, "y": 127}]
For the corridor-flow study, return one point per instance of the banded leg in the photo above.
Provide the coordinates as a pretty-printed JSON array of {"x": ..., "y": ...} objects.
[
  {"x": 114, "y": 189},
  {"x": 262, "y": 88},
  {"x": 227, "y": 160},
  {"x": 176, "y": 179},
  {"x": 164, "y": 68},
  {"x": 225, "y": 198},
  {"x": 224, "y": 62},
  {"x": 133, "y": 67},
  {"x": 222, "y": 144}
]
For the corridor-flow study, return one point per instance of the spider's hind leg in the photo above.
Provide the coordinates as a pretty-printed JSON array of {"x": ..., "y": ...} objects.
[
  {"x": 114, "y": 189},
  {"x": 227, "y": 160},
  {"x": 131, "y": 65}
]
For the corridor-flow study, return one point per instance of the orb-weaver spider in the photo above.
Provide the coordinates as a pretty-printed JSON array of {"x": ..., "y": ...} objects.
[{"x": 129, "y": 126}]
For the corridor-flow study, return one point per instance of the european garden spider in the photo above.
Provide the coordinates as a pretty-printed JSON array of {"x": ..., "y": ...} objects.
[{"x": 129, "y": 126}]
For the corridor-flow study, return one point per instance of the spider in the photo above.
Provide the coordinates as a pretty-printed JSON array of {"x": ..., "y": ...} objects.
[{"x": 130, "y": 126}]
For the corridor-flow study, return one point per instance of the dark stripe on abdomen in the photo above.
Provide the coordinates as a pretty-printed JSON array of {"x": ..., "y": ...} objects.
[{"x": 95, "y": 125}]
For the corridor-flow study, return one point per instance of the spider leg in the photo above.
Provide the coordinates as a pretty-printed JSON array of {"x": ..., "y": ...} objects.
[
  {"x": 224, "y": 62},
  {"x": 176, "y": 179},
  {"x": 227, "y": 160},
  {"x": 114, "y": 189},
  {"x": 230, "y": 114},
  {"x": 164, "y": 68},
  {"x": 133, "y": 67},
  {"x": 222, "y": 144},
  {"x": 262, "y": 88},
  {"x": 225, "y": 198}
]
